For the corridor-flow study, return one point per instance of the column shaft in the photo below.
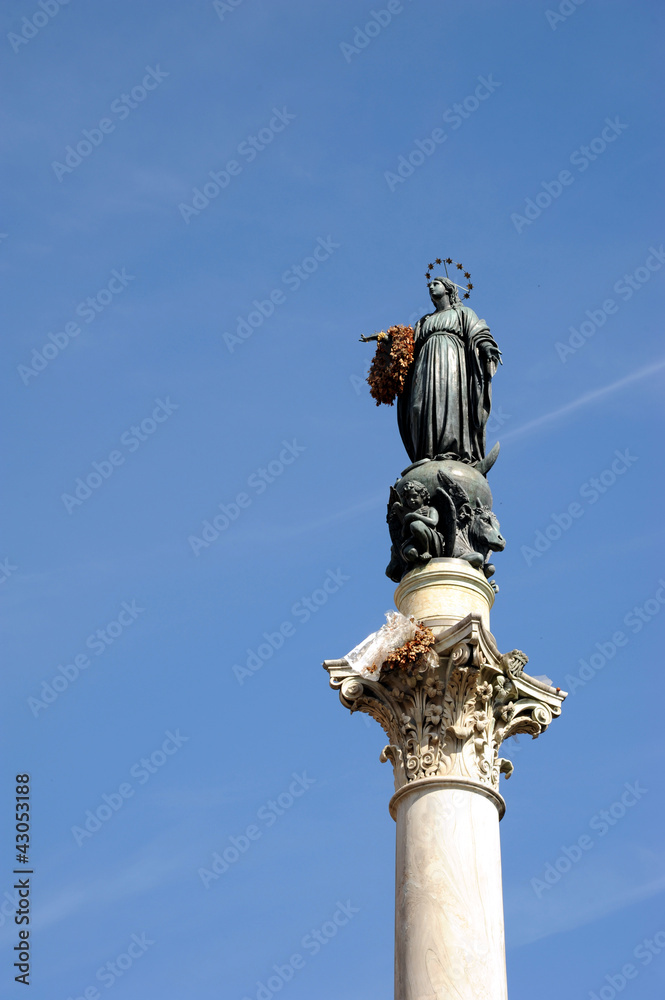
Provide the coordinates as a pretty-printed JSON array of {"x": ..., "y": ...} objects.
[{"x": 449, "y": 935}]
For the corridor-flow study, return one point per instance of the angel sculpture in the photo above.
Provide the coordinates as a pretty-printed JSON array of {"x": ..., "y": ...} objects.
[
  {"x": 413, "y": 527},
  {"x": 424, "y": 526}
]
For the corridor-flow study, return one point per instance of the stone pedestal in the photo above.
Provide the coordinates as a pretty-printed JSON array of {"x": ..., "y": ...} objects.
[
  {"x": 445, "y": 725},
  {"x": 443, "y": 592}
]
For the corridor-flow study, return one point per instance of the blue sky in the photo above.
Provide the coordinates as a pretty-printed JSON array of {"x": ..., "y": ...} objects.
[{"x": 195, "y": 339}]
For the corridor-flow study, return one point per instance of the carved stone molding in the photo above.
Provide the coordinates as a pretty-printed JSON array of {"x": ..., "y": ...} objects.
[{"x": 450, "y": 720}]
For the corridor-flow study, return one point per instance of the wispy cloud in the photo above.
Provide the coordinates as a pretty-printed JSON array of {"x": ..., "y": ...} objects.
[
  {"x": 347, "y": 514},
  {"x": 584, "y": 400},
  {"x": 580, "y": 899},
  {"x": 162, "y": 861}
]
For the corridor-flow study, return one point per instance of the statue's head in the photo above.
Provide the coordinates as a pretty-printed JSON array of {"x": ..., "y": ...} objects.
[
  {"x": 438, "y": 287},
  {"x": 415, "y": 494}
]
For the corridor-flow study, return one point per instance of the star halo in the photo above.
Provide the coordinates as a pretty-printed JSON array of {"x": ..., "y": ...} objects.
[{"x": 445, "y": 261}]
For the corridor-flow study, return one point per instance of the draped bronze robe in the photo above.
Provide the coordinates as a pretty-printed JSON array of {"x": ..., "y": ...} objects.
[{"x": 447, "y": 395}]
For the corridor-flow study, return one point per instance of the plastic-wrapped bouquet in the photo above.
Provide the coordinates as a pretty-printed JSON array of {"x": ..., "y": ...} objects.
[{"x": 401, "y": 643}]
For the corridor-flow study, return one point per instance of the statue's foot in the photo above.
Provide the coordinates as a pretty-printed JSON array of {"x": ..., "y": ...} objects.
[
  {"x": 424, "y": 556},
  {"x": 410, "y": 553}
]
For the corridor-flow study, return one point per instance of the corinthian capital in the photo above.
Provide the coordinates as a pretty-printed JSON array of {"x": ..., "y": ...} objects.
[{"x": 449, "y": 720}]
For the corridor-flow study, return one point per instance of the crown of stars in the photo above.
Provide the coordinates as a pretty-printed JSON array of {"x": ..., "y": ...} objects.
[{"x": 445, "y": 261}]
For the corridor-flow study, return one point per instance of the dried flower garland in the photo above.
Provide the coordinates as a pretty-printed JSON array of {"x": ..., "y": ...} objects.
[
  {"x": 413, "y": 654},
  {"x": 393, "y": 358}
]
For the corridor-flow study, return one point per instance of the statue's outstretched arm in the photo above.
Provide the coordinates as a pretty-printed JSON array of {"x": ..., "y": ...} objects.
[{"x": 382, "y": 335}]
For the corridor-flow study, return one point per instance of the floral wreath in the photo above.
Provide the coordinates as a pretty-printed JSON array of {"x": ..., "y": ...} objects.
[{"x": 449, "y": 260}]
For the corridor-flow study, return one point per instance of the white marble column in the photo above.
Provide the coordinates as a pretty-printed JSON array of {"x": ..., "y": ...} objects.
[
  {"x": 449, "y": 939},
  {"x": 445, "y": 724}
]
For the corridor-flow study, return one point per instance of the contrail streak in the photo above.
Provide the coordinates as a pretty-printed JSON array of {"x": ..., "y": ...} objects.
[{"x": 588, "y": 397}]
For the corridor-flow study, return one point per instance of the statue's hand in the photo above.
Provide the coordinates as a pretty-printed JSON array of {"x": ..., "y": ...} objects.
[
  {"x": 492, "y": 359},
  {"x": 374, "y": 336}
]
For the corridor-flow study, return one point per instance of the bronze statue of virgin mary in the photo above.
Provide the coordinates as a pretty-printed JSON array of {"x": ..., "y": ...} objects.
[
  {"x": 441, "y": 374},
  {"x": 445, "y": 403}
]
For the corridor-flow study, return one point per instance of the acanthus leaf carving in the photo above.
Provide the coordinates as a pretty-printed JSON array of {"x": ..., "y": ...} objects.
[{"x": 450, "y": 719}]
